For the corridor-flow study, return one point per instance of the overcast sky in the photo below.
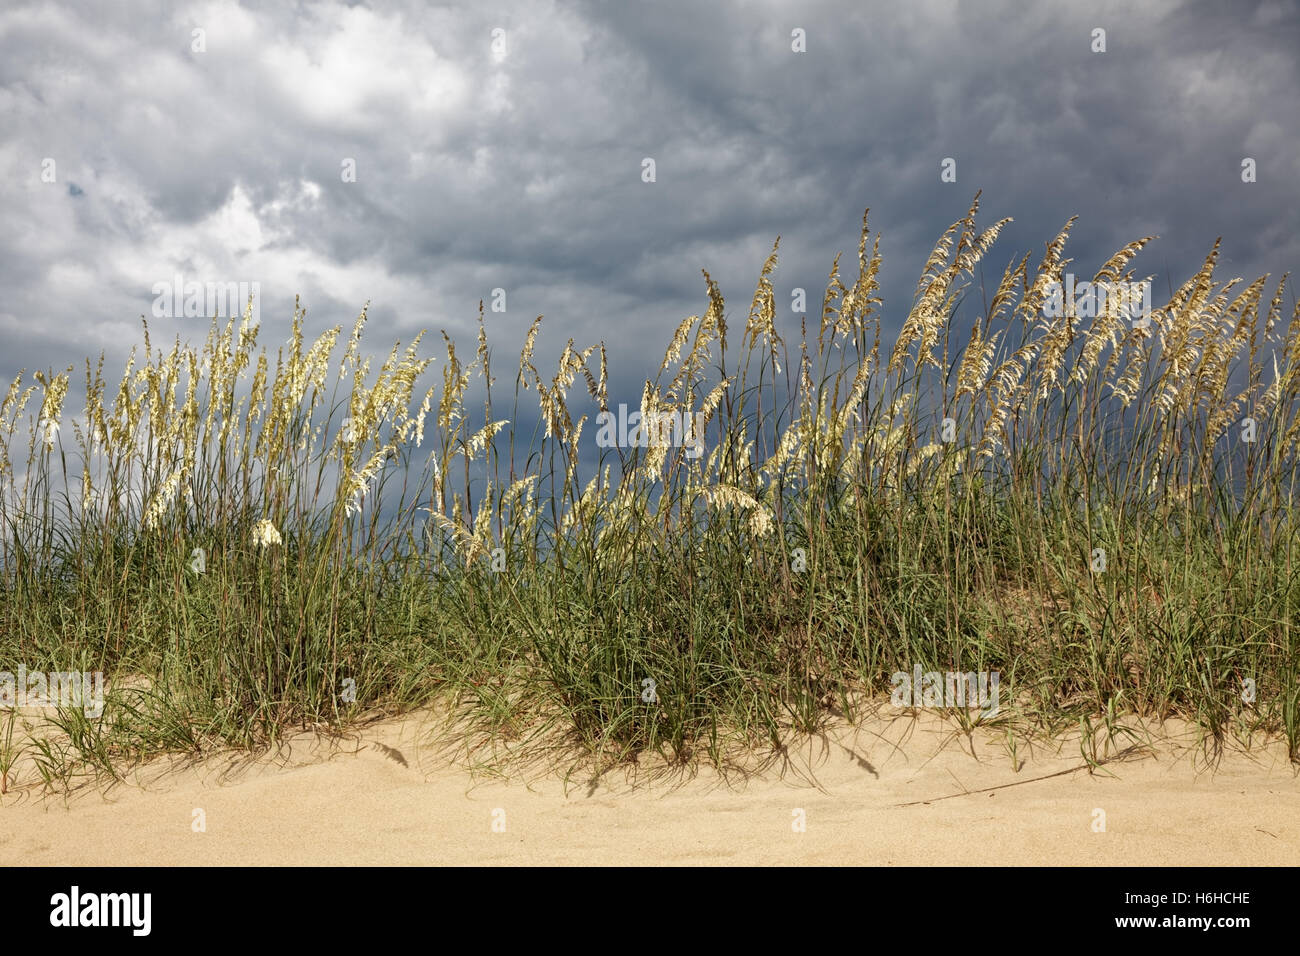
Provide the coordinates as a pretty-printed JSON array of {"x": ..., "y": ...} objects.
[{"x": 519, "y": 165}]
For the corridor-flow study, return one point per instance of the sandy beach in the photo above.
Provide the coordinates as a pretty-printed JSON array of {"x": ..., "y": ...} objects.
[{"x": 893, "y": 791}]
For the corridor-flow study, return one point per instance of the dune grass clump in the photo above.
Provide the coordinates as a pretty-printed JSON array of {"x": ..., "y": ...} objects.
[{"x": 1096, "y": 508}]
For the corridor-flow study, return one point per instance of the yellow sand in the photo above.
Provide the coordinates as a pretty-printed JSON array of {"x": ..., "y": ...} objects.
[{"x": 393, "y": 797}]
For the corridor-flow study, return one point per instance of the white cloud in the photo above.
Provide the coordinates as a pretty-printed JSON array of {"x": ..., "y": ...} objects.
[{"x": 352, "y": 69}]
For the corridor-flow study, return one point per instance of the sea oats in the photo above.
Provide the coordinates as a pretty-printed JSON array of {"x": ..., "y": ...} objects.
[
  {"x": 850, "y": 408},
  {"x": 758, "y": 322},
  {"x": 473, "y": 542},
  {"x": 596, "y": 389},
  {"x": 920, "y": 457},
  {"x": 1006, "y": 290},
  {"x": 786, "y": 450},
  {"x": 977, "y": 362},
  {"x": 56, "y": 389},
  {"x": 11, "y": 405},
  {"x": 419, "y": 420},
  {"x": 1054, "y": 346},
  {"x": 265, "y": 534},
  {"x": 1113, "y": 267},
  {"x": 602, "y": 387},
  {"x": 455, "y": 381},
  {"x": 354, "y": 343},
  {"x": 995, "y": 431},
  {"x": 526, "y": 356},
  {"x": 1269, "y": 400},
  {"x": 715, "y": 319},
  {"x": 1108, "y": 329},
  {"x": 163, "y": 498},
  {"x": 578, "y": 511},
  {"x": 760, "y": 521},
  {"x": 482, "y": 353},
  {"x": 860, "y": 301},
  {"x": 525, "y": 484},
  {"x": 1135, "y": 365},
  {"x": 714, "y": 399},
  {"x": 966, "y": 261},
  {"x": 1050, "y": 271},
  {"x": 679, "y": 339},
  {"x": 834, "y": 290},
  {"x": 838, "y": 468},
  {"x": 482, "y": 437},
  {"x": 359, "y": 481},
  {"x": 729, "y": 496},
  {"x": 572, "y": 440}
]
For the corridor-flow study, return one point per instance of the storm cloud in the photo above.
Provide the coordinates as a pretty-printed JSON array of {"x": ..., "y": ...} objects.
[{"x": 501, "y": 146}]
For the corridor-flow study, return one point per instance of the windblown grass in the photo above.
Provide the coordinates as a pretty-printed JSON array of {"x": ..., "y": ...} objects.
[{"x": 829, "y": 535}]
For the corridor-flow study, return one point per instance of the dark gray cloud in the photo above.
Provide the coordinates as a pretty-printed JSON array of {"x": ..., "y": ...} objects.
[{"x": 522, "y": 171}]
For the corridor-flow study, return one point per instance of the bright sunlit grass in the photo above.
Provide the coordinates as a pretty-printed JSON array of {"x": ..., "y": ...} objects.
[{"x": 1098, "y": 511}]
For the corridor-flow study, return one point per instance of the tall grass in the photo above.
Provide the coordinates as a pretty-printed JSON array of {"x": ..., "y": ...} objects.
[{"x": 1095, "y": 520}]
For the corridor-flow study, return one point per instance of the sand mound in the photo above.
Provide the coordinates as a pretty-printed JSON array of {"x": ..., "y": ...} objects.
[{"x": 895, "y": 790}]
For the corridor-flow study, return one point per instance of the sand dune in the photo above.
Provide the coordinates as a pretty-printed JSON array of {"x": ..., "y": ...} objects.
[{"x": 893, "y": 791}]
